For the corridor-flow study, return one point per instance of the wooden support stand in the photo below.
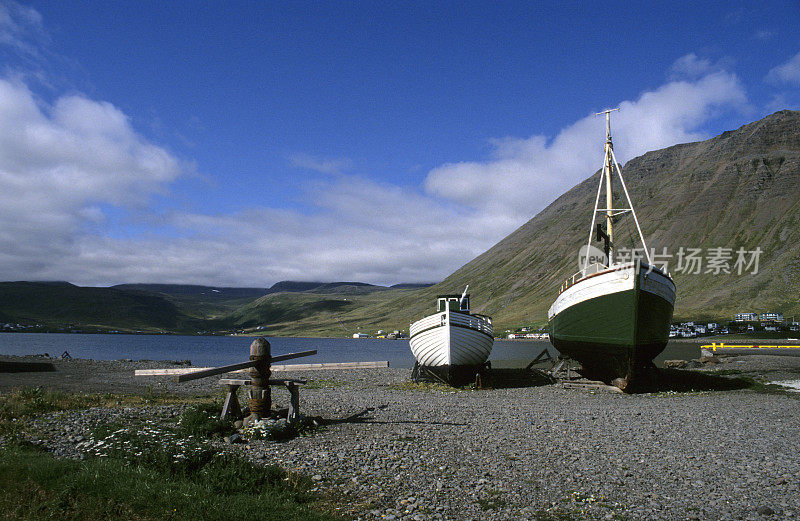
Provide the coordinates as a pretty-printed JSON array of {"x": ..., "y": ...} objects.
[
  {"x": 260, "y": 399},
  {"x": 231, "y": 405},
  {"x": 259, "y": 394}
]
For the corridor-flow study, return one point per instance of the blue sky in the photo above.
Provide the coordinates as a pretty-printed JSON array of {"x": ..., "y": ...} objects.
[{"x": 246, "y": 143}]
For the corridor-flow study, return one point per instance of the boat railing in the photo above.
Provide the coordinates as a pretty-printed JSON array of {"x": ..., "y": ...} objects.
[
  {"x": 585, "y": 272},
  {"x": 474, "y": 321},
  {"x": 591, "y": 270}
]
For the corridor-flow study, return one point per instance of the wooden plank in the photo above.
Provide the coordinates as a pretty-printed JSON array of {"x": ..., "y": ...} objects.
[
  {"x": 289, "y": 356},
  {"x": 194, "y": 375},
  {"x": 292, "y": 367},
  {"x": 173, "y": 371},
  {"x": 231, "y": 405},
  {"x": 242, "y": 365}
]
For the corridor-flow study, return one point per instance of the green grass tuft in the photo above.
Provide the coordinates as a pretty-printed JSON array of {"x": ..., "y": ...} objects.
[
  {"x": 204, "y": 420},
  {"x": 36, "y": 486}
]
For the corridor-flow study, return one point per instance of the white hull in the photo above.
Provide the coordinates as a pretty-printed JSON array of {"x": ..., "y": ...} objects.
[
  {"x": 449, "y": 338},
  {"x": 617, "y": 278}
]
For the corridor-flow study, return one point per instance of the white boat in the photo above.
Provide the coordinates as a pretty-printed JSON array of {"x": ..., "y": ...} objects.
[{"x": 453, "y": 343}]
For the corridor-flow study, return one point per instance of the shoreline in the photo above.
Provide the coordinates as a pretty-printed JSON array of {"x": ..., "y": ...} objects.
[{"x": 392, "y": 451}]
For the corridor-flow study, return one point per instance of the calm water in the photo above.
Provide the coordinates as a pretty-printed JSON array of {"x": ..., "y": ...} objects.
[{"x": 219, "y": 350}]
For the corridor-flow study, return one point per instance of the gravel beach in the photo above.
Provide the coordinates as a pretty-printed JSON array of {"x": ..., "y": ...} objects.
[{"x": 521, "y": 450}]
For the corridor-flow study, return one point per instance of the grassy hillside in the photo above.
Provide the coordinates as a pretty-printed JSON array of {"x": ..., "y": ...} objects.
[
  {"x": 36, "y": 302},
  {"x": 199, "y": 303},
  {"x": 297, "y": 314}
]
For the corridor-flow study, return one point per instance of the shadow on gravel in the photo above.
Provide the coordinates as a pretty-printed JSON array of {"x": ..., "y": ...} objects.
[
  {"x": 677, "y": 380},
  {"x": 26, "y": 367},
  {"x": 517, "y": 378},
  {"x": 362, "y": 417}
]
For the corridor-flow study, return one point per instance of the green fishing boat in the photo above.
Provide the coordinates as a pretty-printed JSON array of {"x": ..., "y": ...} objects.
[{"x": 613, "y": 317}]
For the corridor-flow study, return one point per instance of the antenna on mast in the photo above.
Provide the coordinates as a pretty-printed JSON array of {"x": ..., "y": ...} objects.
[{"x": 607, "y": 112}]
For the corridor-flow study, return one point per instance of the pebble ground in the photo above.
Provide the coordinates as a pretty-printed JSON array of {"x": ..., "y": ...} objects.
[{"x": 390, "y": 450}]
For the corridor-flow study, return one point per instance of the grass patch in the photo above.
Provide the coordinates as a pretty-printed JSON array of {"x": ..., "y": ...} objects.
[
  {"x": 204, "y": 420},
  {"x": 724, "y": 372},
  {"x": 559, "y": 514},
  {"x": 768, "y": 388},
  {"x": 672, "y": 381},
  {"x": 19, "y": 404},
  {"x": 148, "y": 471},
  {"x": 33, "y": 401},
  {"x": 24, "y": 403},
  {"x": 34, "y": 485}
]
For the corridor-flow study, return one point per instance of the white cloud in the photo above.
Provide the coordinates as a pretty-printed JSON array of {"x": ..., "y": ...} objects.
[
  {"x": 57, "y": 164},
  {"x": 323, "y": 166},
  {"x": 788, "y": 72},
  {"x": 362, "y": 231},
  {"x": 526, "y": 174},
  {"x": 691, "y": 67},
  {"x": 18, "y": 25}
]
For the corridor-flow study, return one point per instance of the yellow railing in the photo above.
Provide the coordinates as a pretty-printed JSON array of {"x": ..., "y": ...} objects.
[{"x": 714, "y": 346}]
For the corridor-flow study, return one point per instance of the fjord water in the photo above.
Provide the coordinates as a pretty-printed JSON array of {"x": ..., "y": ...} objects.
[{"x": 219, "y": 350}]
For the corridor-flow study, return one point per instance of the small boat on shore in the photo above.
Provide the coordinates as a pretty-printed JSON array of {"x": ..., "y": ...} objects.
[
  {"x": 613, "y": 316},
  {"x": 453, "y": 344}
]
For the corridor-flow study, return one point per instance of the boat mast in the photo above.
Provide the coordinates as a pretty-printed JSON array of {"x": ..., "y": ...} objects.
[
  {"x": 607, "y": 169},
  {"x": 609, "y": 164}
]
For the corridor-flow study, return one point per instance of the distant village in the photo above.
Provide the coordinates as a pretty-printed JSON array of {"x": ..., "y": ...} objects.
[
  {"x": 70, "y": 328},
  {"x": 742, "y": 323},
  {"x": 394, "y": 335}
]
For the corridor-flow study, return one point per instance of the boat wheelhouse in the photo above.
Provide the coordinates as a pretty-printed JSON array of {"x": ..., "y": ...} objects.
[{"x": 453, "y": 344}]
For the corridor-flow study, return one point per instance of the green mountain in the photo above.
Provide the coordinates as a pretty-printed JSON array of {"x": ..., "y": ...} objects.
[
  {"x": 325, "y": 288},
  {"x": 199, "y": 292},
  {"x": 64, "y": 303}
]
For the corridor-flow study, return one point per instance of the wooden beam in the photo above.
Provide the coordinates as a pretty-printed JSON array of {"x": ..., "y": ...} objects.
[
  {"x": 275, "y": 381},
  {"x": 194, "y": 375},
  {"x": 289, "y": 356},
  {"x": 291, "y": 367}
]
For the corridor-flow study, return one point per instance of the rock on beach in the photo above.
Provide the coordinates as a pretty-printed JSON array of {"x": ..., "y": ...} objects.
[{"x": 390, "y": 452}]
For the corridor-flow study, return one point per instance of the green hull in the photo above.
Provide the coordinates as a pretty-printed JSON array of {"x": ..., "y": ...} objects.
[{"x": 613, "y": 336}]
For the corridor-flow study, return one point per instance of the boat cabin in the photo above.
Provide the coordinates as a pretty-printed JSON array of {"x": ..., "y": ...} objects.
[{"x": 456, "y": 303}]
